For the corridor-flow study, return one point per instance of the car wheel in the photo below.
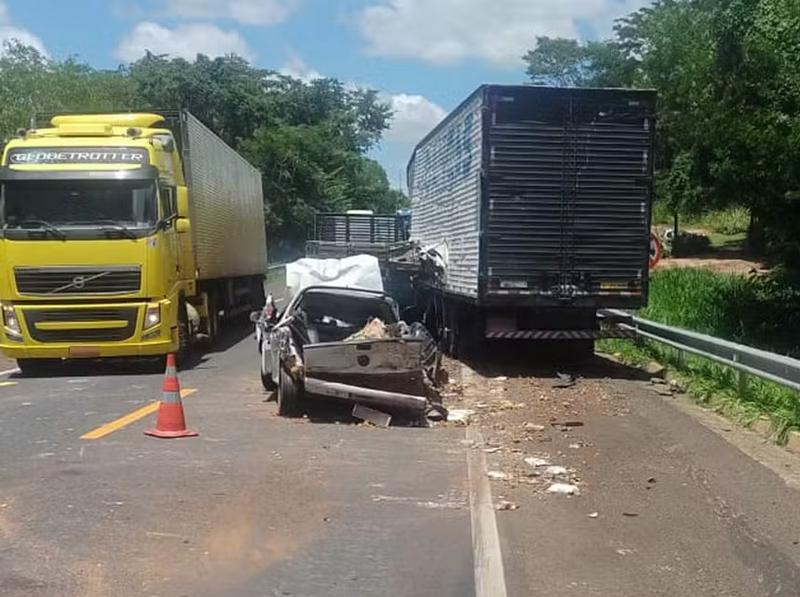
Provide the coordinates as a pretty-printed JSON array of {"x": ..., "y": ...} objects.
[
  {"x": 266, "y": 373},
  {"x": 289, "y": 395}
]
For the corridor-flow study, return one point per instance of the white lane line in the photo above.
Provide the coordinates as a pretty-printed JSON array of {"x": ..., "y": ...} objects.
[
  {"x": 9, "y": 371},
  {"x": 490, "y": 578}
]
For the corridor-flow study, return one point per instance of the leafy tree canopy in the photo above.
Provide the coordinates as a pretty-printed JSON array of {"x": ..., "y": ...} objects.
[{"x": 728, "y": 80}]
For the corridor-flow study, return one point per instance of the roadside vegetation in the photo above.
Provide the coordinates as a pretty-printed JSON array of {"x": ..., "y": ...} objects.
[
  {"x": 309, "y": 139},
  {"x": 760, "y": 311},
  {"x": 728, "y": 85}
]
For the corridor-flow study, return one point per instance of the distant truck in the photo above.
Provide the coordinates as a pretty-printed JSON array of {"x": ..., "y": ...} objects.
[
  {"x": 532, "y": 207},
  {"x": 125, "y": 235}
]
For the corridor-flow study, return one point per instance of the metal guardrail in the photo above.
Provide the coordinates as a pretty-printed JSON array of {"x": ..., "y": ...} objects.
[{"x": 752, "y": 361}]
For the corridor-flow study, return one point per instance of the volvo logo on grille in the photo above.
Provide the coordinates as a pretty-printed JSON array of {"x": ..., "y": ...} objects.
[{"x": 78, "y": 282}]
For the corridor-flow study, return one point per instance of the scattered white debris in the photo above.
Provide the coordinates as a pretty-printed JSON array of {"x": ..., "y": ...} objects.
[
  {"x": 594, "y": 515},
  {"x": 624, "y": 552},
  {"x": 563, "y": 489},
  {"x": 533, "y": 427},
  {"x": 505, "y": 505},
  {"x": 575, "y": 446},
  {"x": 492, "y": 450},
  {"x": 555, "y": 471},
  {"x": 534, "y": 462},
  {"x": 501, "y": 378},
  {"x": 498, "y": 476},
  {"x": 460, "y": 416}
]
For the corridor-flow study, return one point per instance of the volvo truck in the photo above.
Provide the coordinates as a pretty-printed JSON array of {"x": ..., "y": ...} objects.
[{"x": 124, "y": 235}]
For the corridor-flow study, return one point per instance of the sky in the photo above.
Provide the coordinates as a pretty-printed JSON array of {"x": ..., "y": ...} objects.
[{"x": 424, "y": 56}]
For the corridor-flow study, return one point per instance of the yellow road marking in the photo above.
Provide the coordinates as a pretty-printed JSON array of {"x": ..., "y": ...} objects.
[
  {"x": 132, "y": 417},
  {"x": 5, "y": 384}
]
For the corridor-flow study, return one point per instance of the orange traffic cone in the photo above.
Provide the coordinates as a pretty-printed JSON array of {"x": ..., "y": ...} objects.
[{"x": 170, "y": 422}]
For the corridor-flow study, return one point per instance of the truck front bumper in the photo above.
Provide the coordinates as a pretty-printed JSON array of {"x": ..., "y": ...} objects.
[{"x": 88, "y": 330}]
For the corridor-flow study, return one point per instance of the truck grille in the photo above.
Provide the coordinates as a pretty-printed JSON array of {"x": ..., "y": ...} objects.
[
  {"x": 37, "y": 316},
  {"x": 78, "y": 280}
]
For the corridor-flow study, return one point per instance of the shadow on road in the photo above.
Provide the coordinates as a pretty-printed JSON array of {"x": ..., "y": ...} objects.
[
  {"x": 196, "y": 358},
  {"x": 547, "y": 361}
]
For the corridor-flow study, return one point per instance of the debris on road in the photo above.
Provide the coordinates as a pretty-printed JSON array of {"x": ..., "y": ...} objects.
[
  {"x": 555, "y": 471},
  {"x": 630, "y": 514},
  {"x": 505, "y": 505},
  {"x": 565, "y": 380},
  {"x": 594, "y": 515},
  {"x": 370, "y": 415},
  {"x": 563, "y": 489},
  {"x": 535, "y": 462},
  {"x": 498, "y": 476},
  {"x": 460, "y": 416},
  {"x": 533, "y": 427},
  {"x": 677, "y": 386}
]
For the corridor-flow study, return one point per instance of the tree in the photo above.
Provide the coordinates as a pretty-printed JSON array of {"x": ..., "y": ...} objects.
[{"x": 728, "y": 80}]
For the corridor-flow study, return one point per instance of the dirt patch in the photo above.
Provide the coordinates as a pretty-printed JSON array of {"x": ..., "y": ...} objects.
[
  {"x": 533, "y": 425},
  {"x": 742, "y": 267}
]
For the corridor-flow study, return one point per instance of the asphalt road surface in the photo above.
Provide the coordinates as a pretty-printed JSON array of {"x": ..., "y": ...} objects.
[{"x": 673, "y": 501}]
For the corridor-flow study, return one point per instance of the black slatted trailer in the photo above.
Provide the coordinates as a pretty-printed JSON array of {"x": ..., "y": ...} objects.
[{"x": 537, "y": 201}]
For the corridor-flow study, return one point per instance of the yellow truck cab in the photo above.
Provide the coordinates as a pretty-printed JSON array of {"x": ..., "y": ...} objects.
[{"x": 124, "y": 235}]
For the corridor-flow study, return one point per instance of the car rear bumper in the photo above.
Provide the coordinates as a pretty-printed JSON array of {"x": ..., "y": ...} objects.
[{"x": 378, "y": 399}]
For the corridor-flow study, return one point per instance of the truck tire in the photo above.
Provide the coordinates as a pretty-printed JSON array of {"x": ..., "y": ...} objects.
[
  {"x": 289, "y": 395},
  {"x": 184, "y": 341},
  {"x": 36, "y": 367},
  {"x": 213, "y": 323},
  {"x": 266, "y": 374},
  {"x": 578, "y": 350}
]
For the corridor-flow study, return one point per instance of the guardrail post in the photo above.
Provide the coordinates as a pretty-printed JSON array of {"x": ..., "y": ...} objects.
[{"x": 741, "y": 378}]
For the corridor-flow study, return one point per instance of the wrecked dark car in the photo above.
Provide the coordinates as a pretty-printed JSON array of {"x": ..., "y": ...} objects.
[{"x": 348, "y": 344}]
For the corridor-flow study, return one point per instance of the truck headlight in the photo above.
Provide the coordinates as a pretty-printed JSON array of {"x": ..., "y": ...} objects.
[
  {"x": 152, "y": 317},
  {"x": 10, "y": 322}
]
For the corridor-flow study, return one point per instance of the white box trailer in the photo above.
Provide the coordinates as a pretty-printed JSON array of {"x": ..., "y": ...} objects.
[{"x": 227, "y": 205}]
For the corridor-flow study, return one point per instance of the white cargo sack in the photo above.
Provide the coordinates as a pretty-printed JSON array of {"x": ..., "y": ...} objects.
[{"x": 360, "y": 271}]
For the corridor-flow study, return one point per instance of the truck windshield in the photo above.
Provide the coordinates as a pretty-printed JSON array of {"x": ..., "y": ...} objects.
[{"x": 75, "y": 208}]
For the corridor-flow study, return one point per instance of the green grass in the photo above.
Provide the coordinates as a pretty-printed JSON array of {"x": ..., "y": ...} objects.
[
  {"x": 727, "y": 222},
  {"x": 763, "y": 312},
  {"x": 729, "y": 242}
]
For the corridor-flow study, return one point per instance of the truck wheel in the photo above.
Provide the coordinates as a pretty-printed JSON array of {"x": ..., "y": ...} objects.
[
  {"x": 578, "y": 350},
  {"x": 213, "y": 320},
  {"x": 266, "y": 374},
  {"x": 183, "y": 330},
  {"x": 36, "y": 367},
  {"x": 289, "y": 395}
]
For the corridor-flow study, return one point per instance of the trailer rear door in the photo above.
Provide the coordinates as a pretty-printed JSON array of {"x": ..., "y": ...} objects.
[{"x": 568, "y": 191}]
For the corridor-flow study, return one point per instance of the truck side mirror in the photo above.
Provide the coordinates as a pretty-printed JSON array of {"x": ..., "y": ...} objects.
[
  {"x": 182, "y": 202},
  {"x": 182, "y": 225}
]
